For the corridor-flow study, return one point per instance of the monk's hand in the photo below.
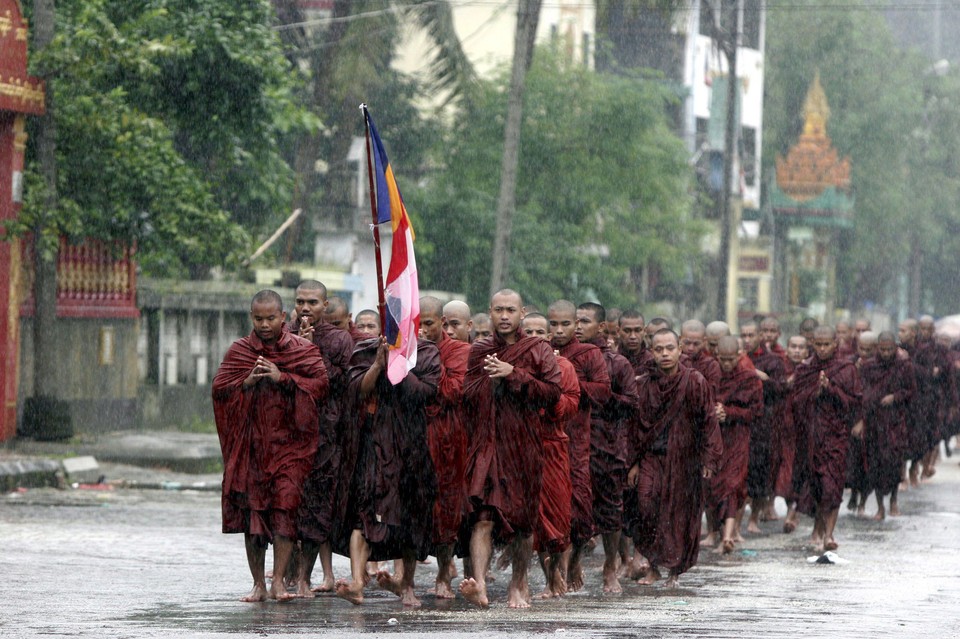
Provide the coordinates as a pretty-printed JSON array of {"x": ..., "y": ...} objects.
[
  {"x": 306, "y": 330},
  {"x": 824, "y": 380},
  {"x": 763, "y": 376},
  {"x": 495, "y": 368},
  {"x": 267, "y": 370},
  {"x": 857, "y": 430},
  {"x": 887, "y": 400},
  {"x": 721, "y": 413},
  {"x": 633, "y": 476},
  {"x": 380, "y": 360},
  {"x": 707, "y": 473},
  {"x": 936, "y": 371}
]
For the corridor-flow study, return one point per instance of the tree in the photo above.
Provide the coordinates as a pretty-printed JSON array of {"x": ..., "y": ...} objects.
[{"x": 602, "y": 190}]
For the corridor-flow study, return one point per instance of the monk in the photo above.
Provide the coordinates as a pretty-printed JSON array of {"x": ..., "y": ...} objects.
[
  {"x": 770, "y": 335},
  {"x": 936, "y": 392},
  {"x": 807, "y": 326},
  {"x": 632, "y": 345},
  {"x": 739, "y": 403},
  {"x": 266, "y": 398},
  {"x": 457, "y": 324},
  {"x": 825, "y": 402},
  {"x": 695, "y": 353},
  {"x": 447, "y": 438},
  {"x": 510, "y": 378},
  {"x": 315, "y": 517},
  {"x": 612, "y": 328},
  {"x": 368, "y": 323},
  {"x": 655, "y": 325},
  {"x": 595, "y": 392},
  {"x": 552, "y": 537},
  {"x": 767, "y": 433},
  {"x": 390, "y": 483},
  {"x": 338, "y": 314},
  {"x": 845, "y": 339},
  {"x": 674, "y": 445},
  {"x": 482, "y": 326},
  {"x": 793, "y": 454},
  {"x": 889, "y": 384},
  {"x": 857, "y": 468},
  {"x": 712, "y": 334},
  {"x": 608, "y": 440}
]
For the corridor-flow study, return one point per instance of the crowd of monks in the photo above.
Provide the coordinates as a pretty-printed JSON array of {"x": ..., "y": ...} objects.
[{"x": 544, "y": 434}]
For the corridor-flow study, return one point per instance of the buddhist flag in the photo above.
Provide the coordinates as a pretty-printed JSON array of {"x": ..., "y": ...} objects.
[{"x": 401, "y": 320}]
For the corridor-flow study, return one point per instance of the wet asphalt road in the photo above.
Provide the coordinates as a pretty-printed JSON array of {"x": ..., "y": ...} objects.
[{"x": 142, "y": 563}]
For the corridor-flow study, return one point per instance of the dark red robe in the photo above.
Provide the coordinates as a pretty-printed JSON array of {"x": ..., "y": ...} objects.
[
  {"x": 783, "y": 484},
  {"x": 741, "y": 394},
  {"x": 608, "y": 441},
  {"x": 315, "y": 515},
  {"x": 824, "y": 420},
  {"x": 885, "y": 427},
  {"x": 674, "y": 438},
  {"x": 505, "y": 459},
  {"x": 594, "y": 394},
  {"x": 553, "y": 531},
  {"x": 767, "y": 434},
  {"x": 642, "y": 362},
  {"x": 935, "y": 388},
  {"x": 393, "y": 483},
  {"x": 448, "y": 440},
  {"x": 356, "y": 334},
  {"x": 707, "y": 365},
  {"x": 268, "y": 433}
]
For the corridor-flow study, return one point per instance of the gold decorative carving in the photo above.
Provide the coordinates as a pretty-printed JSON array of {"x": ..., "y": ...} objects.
[
  {"x": 27, "y": 91},
  {"x": 812, "y": 165}
]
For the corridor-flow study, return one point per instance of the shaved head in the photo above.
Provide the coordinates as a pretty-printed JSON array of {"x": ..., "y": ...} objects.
[
  {"x": 266, "y": 297},
  {"x": 825, "y": 332},
  {"x": 693, "y": 327},
  {"x": 457, "y": 308},
  {"x": 717, "y": 329},
  {"x": 313, "y": 285},
  {"x": 869, "y": 337},
  {"x": 430, "y": 305},
  {"x": 728, "y": 345},
  {"x": 562, "y": 307}
]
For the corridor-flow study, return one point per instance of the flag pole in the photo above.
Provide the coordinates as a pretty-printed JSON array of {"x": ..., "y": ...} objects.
[{"x": 381, "y": 299}]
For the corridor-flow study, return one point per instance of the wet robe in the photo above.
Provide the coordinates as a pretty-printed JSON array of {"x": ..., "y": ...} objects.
[
  {"x": 707, "y": 365},
  {"x": 934, "y": 391},
  {"x": 741, "y": 394},
  {"x": 608, "y": 441},
  {"x": 553, "y": 531},
  {"x": 594, "y": 394},
  {"x": 857, "y": 477},
  {"x": 315, "y": 515},
  {"x": 824, "y": 421},
  {"x": 767, "y": 434},
  {"x": 675, "y": 437},
  {"x": 448, "y": 440},
  {"x": 268, "y": 433},
  {"x": 505, "y": 453},
  {"x": 393, "y": 483},
  {"x": 885, "y": 427},
  {"x": 641, "y": 361}
]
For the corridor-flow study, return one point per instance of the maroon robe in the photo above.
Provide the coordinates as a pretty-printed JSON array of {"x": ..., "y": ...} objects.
[
  {"x": 355, "y": 333},
  {"x": 934, "y": 392},
  {"x": 553, "y": 531},
  {"x": 856, "y": 477},
  {"x": 705, "y": 364},
  {"x": 767, "y": 434},
  {"x": 393, "y": 483},
  {"x": 594, "y": 394},
  {"x": 505, "y": 459},
  {"x": 315, "y": 515},
  {"x": 448, "y": 440},
  {"x": 268, "y": 433},
  {"x": 783, "y": 484},
  {"x": 741, "y": 394},
  {"x": 885, "y": 427},
  {"x": 608, "y": 441},
  {"x": 674, "y": 438},
  {"x": 824, "y": 420},
  {"x": 642, "y": 362}
]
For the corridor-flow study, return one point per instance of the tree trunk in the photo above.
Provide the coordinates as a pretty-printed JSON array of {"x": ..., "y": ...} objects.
[
  {"x": 528, "y": 15},
  {"x": 45, "y": 264}
]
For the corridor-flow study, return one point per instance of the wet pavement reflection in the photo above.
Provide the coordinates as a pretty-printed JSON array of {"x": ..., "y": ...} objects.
[{"x": 128, "y": 563}]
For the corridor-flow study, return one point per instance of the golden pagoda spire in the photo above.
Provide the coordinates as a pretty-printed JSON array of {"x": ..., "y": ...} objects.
[{"x": 816, "y": 111}]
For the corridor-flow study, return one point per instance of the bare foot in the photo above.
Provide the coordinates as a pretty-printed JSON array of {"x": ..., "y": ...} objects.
[
  {"x": 443, "y": 590},
  {"x": 345, "y": 590},
  {"x": 387, "y": 582},
  {"x": 769, "y": 513},
  {"x": 610, "y": 582},
  {"x": 576, "y": 578},
  {"x": 280, "y": 593},
  {"x": 304, "y": 590},
  {"x": 409, "y": 598},
  {"x": 861, "y": 511},
  {"x": 830, "y": 544},
  {"x": 895, "y": 510},
  {"x": 710, "y": 539},
  {"x": 789, "y": 526},
  {"x": 516, "y": 598},
  {"x": 737, "y": 537},
  {"x": 259, "y": 593},
  {"x": 852, "y": 504},
  {"x": 672, "y": 581},
  {"x": 474, "y": 593},
  {"x": 753, "y": 528},
  {"x": 650, "y": 577},
  {"x": 327, "y": 585},
  {"x": 880, "y": 516},
  {"x": 727, "y": 546}
]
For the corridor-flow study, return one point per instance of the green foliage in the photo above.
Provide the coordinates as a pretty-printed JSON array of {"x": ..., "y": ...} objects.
[
  {"x": 168, "y": 116},
  {"x": 602, "y": 190}
]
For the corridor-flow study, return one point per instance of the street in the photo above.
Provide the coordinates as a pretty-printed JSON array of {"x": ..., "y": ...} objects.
[{"x": 153, "y": 563}]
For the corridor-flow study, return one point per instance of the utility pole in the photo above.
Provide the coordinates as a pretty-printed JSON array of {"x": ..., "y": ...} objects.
[{"x": 726, "y": 22}]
